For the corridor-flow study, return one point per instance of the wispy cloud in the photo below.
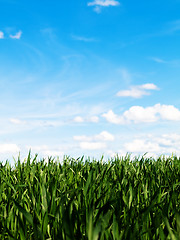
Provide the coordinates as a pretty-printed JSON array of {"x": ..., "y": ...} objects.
[
  {"x": 138, "y": 91},
  {"x": 83, "y": 39},
  {"x": 50, "y": 33},
  {"x": 30, "y": 124},
  {"x": 168, "y": 29},
  {"x": 138, "y": 114},
  {"x": 1, "y": 35},
  {"x": 158, "y": 60},
  {"x": 125, "y": 75},
  {"x": 98, "y": 4},
  {"x": 174, "y": 26},
  {"x": 173, "y": 63},
  {"x": 17, "y": 35}
]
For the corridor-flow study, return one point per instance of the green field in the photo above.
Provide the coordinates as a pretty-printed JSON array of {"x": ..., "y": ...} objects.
[{"x": 122, "y": 198}]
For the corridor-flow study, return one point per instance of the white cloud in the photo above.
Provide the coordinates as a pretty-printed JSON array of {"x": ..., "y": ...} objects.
[
  {"x": 92, "y": 145},
  {"x": 78, "y": 119},
  {"x": 138, "y": 114},
  {"x": 137, "y": 91},
  {"x": 103, "y": 136},
  {"x": 82, "y": 138},
  {"x": 9, "y": 148},
  {"x": 17, "y": 121},
  {"x": 46, "y": 151},
  {"x": 174, "y": 138},
  {"x": 169, "y": 112},
  {"x": 94, "y": 142},
  {"x": 1, "y": 35},
  {"x": 104, "y": 3},
  {"x": 141, "y": 146},
  {"x": 149, "y": 86},
  {"x": 133, "y": 92},
  {"x": 93, "y": 119},
  {"x": 111, "y": 117},
  {"x": 165, "y": 144},
  {"x": 98, "y": 4},
  {"x": 17, "y": 35}
]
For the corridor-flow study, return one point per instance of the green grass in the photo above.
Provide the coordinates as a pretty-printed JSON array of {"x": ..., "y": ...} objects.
[{"x": 95, "y": 200}]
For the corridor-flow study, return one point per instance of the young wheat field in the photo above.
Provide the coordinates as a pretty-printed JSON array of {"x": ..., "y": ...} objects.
[{"x": 90, "y": 199}]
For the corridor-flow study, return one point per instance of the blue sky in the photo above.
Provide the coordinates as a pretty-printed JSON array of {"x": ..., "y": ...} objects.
[{"x": 89, "y": 77}]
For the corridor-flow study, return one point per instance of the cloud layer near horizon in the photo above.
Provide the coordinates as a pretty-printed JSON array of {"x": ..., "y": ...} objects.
[{"x": 138, "y": 114}]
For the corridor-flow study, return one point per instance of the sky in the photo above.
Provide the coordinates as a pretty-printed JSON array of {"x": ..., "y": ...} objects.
[{"x": 89, "y": 77}]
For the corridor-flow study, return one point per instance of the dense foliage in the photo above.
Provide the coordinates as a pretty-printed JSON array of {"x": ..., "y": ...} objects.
[{"x": 83, "y": 199}]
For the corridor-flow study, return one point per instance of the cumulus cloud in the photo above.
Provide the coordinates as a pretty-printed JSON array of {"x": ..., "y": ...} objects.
[
  {"x": 1, "y": 35},
  {"x": 104, "y": 136},
  {"x": 138, "y": 114},
  {"x": 17, "y": 35},
  {"x": 111, "y": 117},
  {"x": 169, "y": 112},
  {"x": 78, "y": 119},
  {"x": 98, "y": 4},
  {"x": 138, "y": 91}
]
